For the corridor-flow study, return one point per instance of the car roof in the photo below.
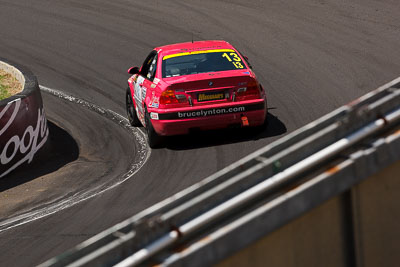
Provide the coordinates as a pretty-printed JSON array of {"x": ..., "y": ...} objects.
[{"x": 193, "y": 46}]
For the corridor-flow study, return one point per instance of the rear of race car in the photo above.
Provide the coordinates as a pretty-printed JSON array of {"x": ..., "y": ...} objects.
[
  {"x": 194, "y": 86},
  {"x": 206, "y": 101}
]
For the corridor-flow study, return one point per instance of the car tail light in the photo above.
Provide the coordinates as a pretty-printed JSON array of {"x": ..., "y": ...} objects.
[
  {"x": 252, "y": 91},
  {"x": 168, "y": 97}
]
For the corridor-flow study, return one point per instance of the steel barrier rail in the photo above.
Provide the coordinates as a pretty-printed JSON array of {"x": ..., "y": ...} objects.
[
  {"x": 261, "y": 171},
  {"x": 257, "y": 190},
  {"x": 339, "y": 182}
]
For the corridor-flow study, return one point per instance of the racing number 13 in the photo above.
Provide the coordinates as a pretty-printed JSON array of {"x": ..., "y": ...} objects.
[{"x": 236, "y": 59}]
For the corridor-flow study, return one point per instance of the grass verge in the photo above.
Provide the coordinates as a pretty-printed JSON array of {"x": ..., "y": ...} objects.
[{"x": 9, "y": 85}]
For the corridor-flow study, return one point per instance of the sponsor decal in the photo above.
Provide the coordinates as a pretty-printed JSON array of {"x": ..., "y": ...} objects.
[
  {"x": 197, "y": 52},
  {"x": 140, "y": 116},
  {"x": 139, "y": 90},
  {"x": 215, "y": 111},
  {"x": 154, "y": 105},
  {"x": 33, "y": 138},
  {"x": 210, "y": 112},
  {"x": 210, "y": 96},
  {"x": 156, "y": 80},
  {"x": 144, "y": 90},
  {"x": 246, "y": 72},
  {"x": 153, "y": 85},
  {"x": 133, "y": 78},
  {"x": 154, "y": 101},
  {"x": 234, "y": 59},
  {"x": 154, "y": 116},
  {"x": 200, "y": 48}
]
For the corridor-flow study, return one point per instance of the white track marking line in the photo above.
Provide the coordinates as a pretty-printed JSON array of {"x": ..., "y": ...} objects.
[{"x": 143, "y": 151}]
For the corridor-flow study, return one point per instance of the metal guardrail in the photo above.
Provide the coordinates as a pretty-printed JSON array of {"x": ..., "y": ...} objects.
[{"x": 239, "y": 187}]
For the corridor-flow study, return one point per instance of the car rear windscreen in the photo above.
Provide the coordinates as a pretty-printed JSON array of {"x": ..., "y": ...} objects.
[{"x": 201, "y": 62}]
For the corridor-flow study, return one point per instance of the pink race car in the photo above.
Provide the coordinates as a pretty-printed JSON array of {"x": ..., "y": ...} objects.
[{"x": 197, "y": 85}]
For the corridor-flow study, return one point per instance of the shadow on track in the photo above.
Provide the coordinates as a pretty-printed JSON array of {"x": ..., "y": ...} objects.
[
  {"x": 201, "y": 139},
  {"x": 59, "y": 150}
]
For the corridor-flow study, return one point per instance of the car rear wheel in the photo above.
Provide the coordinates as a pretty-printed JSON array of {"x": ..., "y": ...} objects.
[
  {"x": 130, "y": 109},
  {"x": 155, "y": 140}
]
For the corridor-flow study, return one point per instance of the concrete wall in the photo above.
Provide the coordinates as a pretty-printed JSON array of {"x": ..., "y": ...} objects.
[
  {"x": 357, "y": 228},
  {"x": 377, "y": 218},
  {"x": 23, "y": 124}
]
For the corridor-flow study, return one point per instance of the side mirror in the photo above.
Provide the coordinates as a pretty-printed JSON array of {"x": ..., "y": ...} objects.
[{"x": 133, "y": 70}]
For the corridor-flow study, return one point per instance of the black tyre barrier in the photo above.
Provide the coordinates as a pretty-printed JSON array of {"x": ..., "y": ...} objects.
[{"x": 23, "y": 124}]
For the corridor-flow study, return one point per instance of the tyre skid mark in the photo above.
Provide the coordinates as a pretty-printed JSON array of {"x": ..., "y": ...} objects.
[{"x": 143, "y": 153}]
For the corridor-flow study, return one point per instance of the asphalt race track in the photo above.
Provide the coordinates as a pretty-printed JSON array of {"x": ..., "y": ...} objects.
[{"x": 312, "y": 56}]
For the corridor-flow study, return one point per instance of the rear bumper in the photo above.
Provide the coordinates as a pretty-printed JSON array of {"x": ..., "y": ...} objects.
[{"x": 181, "y": 121}]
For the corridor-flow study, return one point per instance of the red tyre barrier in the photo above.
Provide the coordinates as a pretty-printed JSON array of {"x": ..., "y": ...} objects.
[{"x": 23, "y": 124}]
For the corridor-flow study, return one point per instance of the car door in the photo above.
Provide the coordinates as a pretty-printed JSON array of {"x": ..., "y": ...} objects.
[{"x": 144, "y": 81}]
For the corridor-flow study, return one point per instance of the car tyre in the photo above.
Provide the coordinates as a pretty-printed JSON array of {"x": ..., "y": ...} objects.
[
  {"x": 154, "y": 139},
  {"x": 130, "y": 110}
]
